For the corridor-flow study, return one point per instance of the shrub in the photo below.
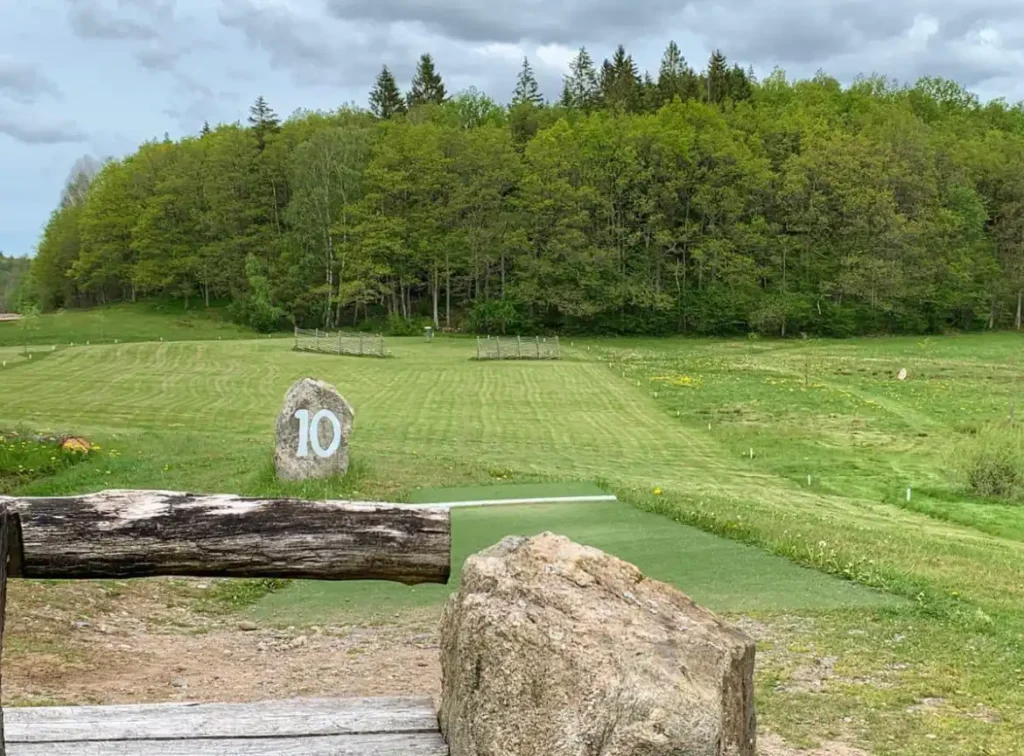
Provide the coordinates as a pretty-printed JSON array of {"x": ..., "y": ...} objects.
[{"x": 990, "y": 462}]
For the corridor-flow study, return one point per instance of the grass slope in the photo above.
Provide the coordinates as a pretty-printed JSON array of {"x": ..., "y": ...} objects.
[
  {"x": 680, "y": 416},
  {"x": 144, "y": 321}
]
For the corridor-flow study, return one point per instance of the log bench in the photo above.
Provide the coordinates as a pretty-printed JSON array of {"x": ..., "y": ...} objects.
[{"x": 133, "y": 534}]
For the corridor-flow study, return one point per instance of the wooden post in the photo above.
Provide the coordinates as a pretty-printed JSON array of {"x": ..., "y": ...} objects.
[
  {"x": 497, "y": 340},
  {"x": 4, "y": 546},
  {"x": 316, "y": 339},
  {"x": 558, "y": 349},
  {"x": 126, "y": 534},
  {"x": 296, "y": 337},
  {"x": 478, "y": 347},
  {"x": 382, "y": 352},
  {"x": 361, "y": 343},
  {"x": 537, "y": 339},
  {"x": 519, "y": 346}
]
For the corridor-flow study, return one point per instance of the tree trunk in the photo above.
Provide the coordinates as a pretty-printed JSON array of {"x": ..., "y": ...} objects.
[
  {"x": 1017, "y": 321},
  {"x": 129, "y": 534},
  {"x": 435, "y": 295}
]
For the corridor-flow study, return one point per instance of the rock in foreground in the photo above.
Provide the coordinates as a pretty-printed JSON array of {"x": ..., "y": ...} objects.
[
  {"x": 313, "y": 443},
  {"x": 550, "y": 648}
]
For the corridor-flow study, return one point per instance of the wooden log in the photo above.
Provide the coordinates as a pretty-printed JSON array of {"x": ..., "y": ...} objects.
[
  {"x": 127, "y": 534},
  {"x": 5, "y": 526}
]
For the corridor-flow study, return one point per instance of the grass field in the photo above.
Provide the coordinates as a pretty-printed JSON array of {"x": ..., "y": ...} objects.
[{"x": 835, "y": 439}]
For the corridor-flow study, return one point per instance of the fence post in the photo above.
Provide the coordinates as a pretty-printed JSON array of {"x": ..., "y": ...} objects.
[
  {"x": 341, "y": 349},
  {"x": 558, "y": 349},
  {"x": 497, "y": 340},
  {"x": 316, "y": 339},
  {"x": 361, "y": 336},
  {"x": 296, "y": 337},
  {"x": 519, "y": 346},
  {"x": 537, "y": 339},
  {"x": 383, "y": 352}
]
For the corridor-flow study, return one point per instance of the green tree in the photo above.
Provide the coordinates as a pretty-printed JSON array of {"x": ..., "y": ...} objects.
[
  {"x": 526, "y": 91},
  {"x": 620, "y": 84},
  {"x": 675, "y": 77},
  {"x": 427, "y": 86},
  {"x": 716, "y": 78},
  {"x": 264, "y": 121},
  {"x": 581, "y": 90},
  {"x": 385, "y": 98}
]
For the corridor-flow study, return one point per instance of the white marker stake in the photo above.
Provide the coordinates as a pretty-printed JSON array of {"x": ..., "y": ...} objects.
[
  {"x": 751, "y": 453},
  {"x": 808, "y": 480},
  {"x": 908, "y": 494},
  {"x": 709, "y": 426}
]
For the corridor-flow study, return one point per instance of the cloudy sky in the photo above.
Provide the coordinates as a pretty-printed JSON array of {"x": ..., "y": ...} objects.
[{"x": 98, "y": 77}]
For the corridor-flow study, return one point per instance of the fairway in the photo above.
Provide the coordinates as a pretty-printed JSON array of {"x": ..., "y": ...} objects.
[
  {"x": 725, "y": 576},
  {"x": 199, "y": 416}
]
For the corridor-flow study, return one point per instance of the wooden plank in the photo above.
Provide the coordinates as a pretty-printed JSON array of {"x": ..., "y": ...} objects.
[
  {"x": 290, "y": 718},
  {"x": 125, "y": 534},
  {"x": 422, "y": 744}
]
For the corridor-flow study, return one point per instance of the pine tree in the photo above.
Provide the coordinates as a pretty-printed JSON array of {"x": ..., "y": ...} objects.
[
  {"x": 738, "y": 85},
  {"x": 675, "y": 77},
  {"x": 526, "y": 90},
  {"x": 427, "y": 85},
  {"x": 717, "y": 78},
  {"x": 206, "y": 129},
  {"x": 264, "y": 121},
  {"x": 620, "y": 82},
  {"x": 581, "y": 88},
  {"x": 385, "y": 97}
]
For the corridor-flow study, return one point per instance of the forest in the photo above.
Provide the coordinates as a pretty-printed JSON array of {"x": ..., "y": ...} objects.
[
  {"x": 696, "y": 202},
  {"x": 14, "y": 282}
]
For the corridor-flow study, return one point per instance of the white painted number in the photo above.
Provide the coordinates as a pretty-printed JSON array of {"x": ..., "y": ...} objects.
[{"x": 309, "y": 433}]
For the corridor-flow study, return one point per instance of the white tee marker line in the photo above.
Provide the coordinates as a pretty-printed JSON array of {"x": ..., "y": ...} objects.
[{"x": 538, "y": 500}]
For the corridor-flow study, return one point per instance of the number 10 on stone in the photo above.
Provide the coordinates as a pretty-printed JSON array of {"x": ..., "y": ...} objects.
[
  {"x": 312, "y": 432},
  {"x": 309, "y": 433}
]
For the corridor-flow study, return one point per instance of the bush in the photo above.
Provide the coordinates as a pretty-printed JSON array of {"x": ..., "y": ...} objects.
[{"x": 991, "y": 461}]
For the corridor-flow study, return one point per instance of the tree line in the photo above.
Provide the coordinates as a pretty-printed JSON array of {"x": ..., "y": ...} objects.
[
  {"x": 691, "y": 202},
  {"x": 14, "y": 283}
]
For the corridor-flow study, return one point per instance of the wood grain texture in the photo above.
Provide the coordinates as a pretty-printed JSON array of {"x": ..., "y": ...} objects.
[
  {"x": 296, "y": 727},
  {"x": 5, "y": 519},
  {"x": 359, "y": 745},
  {"x": 267, "y": 719},
  {"x": 126, "y": 534}
]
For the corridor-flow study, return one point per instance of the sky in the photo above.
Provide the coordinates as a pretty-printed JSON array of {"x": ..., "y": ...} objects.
[{"x": 98, "y": 77}]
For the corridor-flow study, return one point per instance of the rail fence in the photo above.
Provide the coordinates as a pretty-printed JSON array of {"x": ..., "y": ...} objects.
[
  {"x": 358, "y": 344},
  {"x": 517, "y": 348}
]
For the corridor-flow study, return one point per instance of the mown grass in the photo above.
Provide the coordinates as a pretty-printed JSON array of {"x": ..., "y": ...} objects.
[
  {"x": 678, "y": 416},
  {"x": 143, "y": 321}
]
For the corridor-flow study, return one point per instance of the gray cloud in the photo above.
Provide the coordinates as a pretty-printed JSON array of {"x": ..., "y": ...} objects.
[
  {"x": 540, "y": 21},
  {"x": 92, "y": 19},
  {"x": 23, "y": 82},
  {"x": 28, "y": 132}
]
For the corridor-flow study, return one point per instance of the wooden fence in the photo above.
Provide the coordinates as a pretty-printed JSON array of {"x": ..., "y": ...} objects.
[
  {"x": 358, "y": 344},
  {"x": 136, "y": 534},
  {"x": 517, "y": 348}
]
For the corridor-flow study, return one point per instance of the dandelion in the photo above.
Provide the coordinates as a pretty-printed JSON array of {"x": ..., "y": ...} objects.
[{"x": 657, "y": 491}]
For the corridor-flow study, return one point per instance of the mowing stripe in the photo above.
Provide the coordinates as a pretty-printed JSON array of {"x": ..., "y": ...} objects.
[{"x": 538, "y": 500}]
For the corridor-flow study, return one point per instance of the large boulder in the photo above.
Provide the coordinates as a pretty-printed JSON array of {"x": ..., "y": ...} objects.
[
  {"x": 312, "y": 432},
  {"x": 550, "y": 648}
]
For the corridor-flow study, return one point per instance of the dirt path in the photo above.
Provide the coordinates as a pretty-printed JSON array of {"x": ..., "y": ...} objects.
[{"x": 145, "y": 642}]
